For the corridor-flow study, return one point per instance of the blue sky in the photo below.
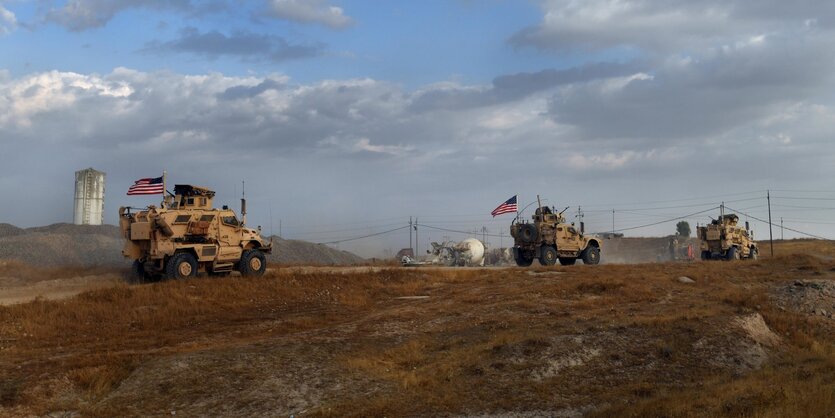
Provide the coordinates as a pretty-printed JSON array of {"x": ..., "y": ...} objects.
[{"x": 435, "y": 109}]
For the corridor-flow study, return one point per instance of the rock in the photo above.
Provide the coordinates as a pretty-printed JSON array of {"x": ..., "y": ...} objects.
[
  {"x": 685, "y": 279},
  {"x": 798, "y": 283}
]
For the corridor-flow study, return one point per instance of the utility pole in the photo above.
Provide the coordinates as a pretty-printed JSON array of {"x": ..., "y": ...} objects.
[
  {"x": 417, "y": 245},
  {"x": 410, "y": 237},
  {"x": 781, "y": 228},
  {"x": 770, "y": 235},
  {"x": 613, "y": 223},
  {"x": 484, "y": 234}
]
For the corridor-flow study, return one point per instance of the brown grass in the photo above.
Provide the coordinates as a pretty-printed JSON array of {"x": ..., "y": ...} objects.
[{"x": 603, "y": 340}]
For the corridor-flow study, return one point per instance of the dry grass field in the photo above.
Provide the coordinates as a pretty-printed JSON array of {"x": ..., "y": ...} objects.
[{"x": 754, "y": 339}]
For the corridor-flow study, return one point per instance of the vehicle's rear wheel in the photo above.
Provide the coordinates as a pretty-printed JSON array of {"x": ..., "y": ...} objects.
[
  {"x": 591, "y": 255},
  {"x": 137, "y": 272},
  {"x": 548, "y": 255},
  {"x": 733, "y": 253},
  {"x": 253, "y": 263},
  {"x": 521, "y": 259},
  {"x": 567, "y": 261},
  {"x": 705, "y": 255},
  {"x": 181, "y": 266}
]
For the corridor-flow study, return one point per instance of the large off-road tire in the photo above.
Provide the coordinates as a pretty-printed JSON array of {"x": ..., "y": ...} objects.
[
  {"x": 706, "y": 255},
  {"x": 521, "y": 259},
  {"x": 567, "y": 261},
  {"x": 591, "y": 255},
  {"x": 733, "y": 253},
  {"x": 137, "y": 272},
  {"x": 547, "y": 255},
  {"x": 754, "y": 254},
  {"x": 181, "y": 266},
  {"x": 253, "y": 263},
  {"x": 528, "y": 233}
]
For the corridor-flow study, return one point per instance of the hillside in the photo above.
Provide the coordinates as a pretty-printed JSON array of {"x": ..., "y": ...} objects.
[{"x": 87, "y": 245}]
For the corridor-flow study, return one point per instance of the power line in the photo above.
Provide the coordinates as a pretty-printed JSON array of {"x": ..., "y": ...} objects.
[
  {"x": 610, "y": 205},
  {"x": 667, "y": 220},
  {"x": 790, "y": 229},
  {"x": 365, "y": 236},
  {"x": 457, "y": 231}
]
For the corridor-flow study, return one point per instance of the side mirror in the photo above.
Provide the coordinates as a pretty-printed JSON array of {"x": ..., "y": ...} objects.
[
  {"x": 582, "y": 227},
  {"x": 746, "y": 226}
]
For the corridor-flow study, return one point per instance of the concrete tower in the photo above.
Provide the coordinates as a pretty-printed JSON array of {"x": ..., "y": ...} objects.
[{"x": 89, "y": 197}]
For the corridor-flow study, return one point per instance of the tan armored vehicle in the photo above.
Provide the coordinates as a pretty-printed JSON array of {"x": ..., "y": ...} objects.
[
  {"x": 550, "y": 238},
  {"x": 723, "y": 239},
  {"x": 187, "y": 235}
]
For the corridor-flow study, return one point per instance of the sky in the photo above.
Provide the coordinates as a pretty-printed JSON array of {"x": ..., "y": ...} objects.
[{"x": 344, "y": 117}]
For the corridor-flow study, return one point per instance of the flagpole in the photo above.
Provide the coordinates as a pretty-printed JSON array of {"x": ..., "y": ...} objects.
[{"x": 163, "y": 189}]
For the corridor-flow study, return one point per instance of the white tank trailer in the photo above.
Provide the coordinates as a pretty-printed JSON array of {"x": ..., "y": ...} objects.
[
  {"x": 469, "y": 252},
  {"x": 89, "y": 197}
]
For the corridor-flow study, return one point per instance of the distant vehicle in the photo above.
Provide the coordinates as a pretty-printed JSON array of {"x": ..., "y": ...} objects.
[
  {"x": 187, "y": 235},
  {"x": 550, "y": 239},
  {"x": 723, "y": 239}
]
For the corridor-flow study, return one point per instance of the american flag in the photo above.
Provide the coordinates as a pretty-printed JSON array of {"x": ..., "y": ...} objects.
[
  {"x": 147, "y": 186},
  {"x": 507, "y": 207}
]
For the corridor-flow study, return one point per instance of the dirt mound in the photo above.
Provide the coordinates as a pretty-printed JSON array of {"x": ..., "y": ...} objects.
[
  {"x": 8, "y": 230},
  {"x": 71, "y": 229},
  {"x": 812, "y": 297},
  {"x": 303, "y": 252}
]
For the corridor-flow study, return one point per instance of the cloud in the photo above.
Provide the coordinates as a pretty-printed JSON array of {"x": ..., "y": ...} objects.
[
  {"x": 686, "y": 99},
  {"x": 81, "y": 15},
  {"x": 309, "y": 11},
  {"x": 8, "y": 21},
  {"x": 665, "y": 26},
  {"x": 515, "y": 86},
  {"x": 344, "y": 143},
  {"x": 247, "y": 45}
]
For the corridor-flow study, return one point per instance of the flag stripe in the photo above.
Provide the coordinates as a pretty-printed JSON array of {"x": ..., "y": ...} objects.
[
  {"x": 509, "y": 206},
  {"x": 150, "y": 185}
]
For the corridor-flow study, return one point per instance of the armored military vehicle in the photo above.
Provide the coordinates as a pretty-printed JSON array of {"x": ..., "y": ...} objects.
[
  {"x": 187, "y": 235},
  {"x": 723, "y": 239},
  {"x": 550, "y": 238}
]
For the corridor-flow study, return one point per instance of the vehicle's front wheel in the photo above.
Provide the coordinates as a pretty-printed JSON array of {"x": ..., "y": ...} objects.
[
  {"x": 591, "y": 255},
  {"x": 754, "y": 254},
  {"x": 181, "y": 266},
  {"x": 733, "y": 253},
  {"x": 547, "y": 255},
  {"x": 253, "y": 263}
]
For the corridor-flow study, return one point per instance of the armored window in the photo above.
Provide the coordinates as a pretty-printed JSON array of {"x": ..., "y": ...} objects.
[
  {"x": 190, "y": 201},
  {"x": 207, "y": 218},
  {"x": 230, "y": 220},
  {"x": 572, "y": 230},
  {"x": 559, "y": 229},
  {"x": 202, "y": 201},
  {"x": 182, "y": 219}
]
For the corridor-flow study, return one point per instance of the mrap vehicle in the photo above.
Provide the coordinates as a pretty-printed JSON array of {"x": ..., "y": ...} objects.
[
  {"x": 550, "y": 238},
  {"x": 187, "y": 235},
  {"x": 723, "y": 239}
]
